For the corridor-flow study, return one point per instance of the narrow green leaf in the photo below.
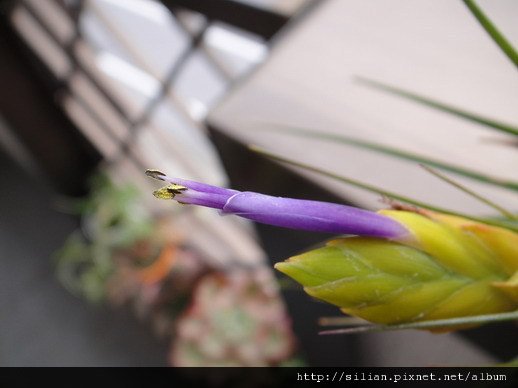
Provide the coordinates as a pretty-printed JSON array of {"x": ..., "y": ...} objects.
[
  {"x": 341, "y": 321},
  {"x": 510, "y": 363},
  {"x": 475, "y": 175},
  {"x": 503, "y": 127},
  {"x": 438, "y": 323},
  {"x": 470, "y": 192},
  {"x": 501, "y": 223},
  {"x": 493, "y": 32}
]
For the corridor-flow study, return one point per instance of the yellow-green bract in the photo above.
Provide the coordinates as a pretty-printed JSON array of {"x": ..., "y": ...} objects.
[{"x": 453, "y": 267}]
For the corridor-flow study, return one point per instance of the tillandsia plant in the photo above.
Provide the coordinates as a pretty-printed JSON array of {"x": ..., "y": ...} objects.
[
  {"x": 400, "y": 266},
  {"x": 414, "y": 266}
]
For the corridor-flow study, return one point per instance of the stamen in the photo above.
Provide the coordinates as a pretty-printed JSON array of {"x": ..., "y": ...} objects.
[
  {"x": 169, "y": 192},
  {"x": 156, "y": 174}
]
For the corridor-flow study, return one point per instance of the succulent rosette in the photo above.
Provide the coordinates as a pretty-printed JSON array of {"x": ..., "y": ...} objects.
[
  {"x": 394, "y": 266},
  {"x": 235, "y": 319}
]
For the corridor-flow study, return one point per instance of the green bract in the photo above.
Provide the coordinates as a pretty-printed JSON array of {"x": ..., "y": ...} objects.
[{"x": 452, "y": 268}]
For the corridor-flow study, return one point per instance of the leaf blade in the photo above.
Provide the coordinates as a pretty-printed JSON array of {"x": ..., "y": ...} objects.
[
  {"x": 373, "y": 189},
  {"x": 432, "y": 324},
  {"x": 485, "y": 121},
  {"x": 493, "y": 32},
  {"x": 506, "y": 213},
  {"x": 396, "y": 152}
]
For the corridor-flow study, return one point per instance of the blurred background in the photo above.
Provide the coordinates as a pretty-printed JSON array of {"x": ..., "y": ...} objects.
[{"x": 97, "y": 272}]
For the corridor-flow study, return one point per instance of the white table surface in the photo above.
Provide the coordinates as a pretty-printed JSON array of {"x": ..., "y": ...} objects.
[{"x": 432, "y": 47}]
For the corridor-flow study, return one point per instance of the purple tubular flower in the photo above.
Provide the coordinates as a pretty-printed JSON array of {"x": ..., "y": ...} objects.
[{"x": 285, "y": 212}]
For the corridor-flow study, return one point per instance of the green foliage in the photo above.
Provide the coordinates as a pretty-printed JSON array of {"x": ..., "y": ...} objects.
[
  {"x": 493, "y": 32},
  {"x": 398, "y": 153},
  {"x": 112, "y": 219},
  {"x": 473, "y": 117},
  {"x": 502, "y": 222}
]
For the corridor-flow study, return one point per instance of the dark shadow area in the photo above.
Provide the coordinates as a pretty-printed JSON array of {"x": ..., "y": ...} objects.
[
  {"x": 53, "y": 140},
  {"x": 42, "y": 324}
]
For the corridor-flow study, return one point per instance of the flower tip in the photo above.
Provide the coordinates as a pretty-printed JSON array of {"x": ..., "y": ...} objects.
[
  {"x": 279, "y": 266},
  {"x": 297, "y": 273},
  {"x": 284, "y": 267},
  {"x": 155, "y": 174}
]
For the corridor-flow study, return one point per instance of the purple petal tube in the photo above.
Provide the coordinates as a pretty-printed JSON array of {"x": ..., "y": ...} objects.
[
  {"x": 312, "y": 215},
  {"x": 285, "y": 212}
]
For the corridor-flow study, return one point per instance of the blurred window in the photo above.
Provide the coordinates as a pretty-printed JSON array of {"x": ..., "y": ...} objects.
[
  {"x": 131, "y": 66},
  {"x": 138, "y": 77}
]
